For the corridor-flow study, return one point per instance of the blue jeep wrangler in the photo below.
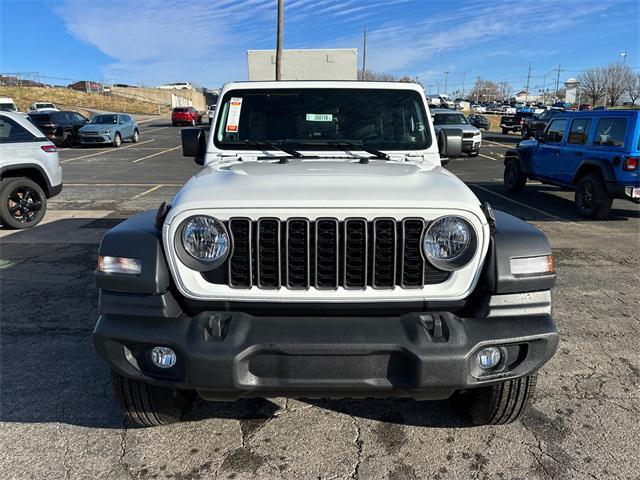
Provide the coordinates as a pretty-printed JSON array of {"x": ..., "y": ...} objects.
[{"x": 594, "y": 153}]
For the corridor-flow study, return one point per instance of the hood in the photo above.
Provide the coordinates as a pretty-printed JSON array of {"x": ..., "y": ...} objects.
[
  {"x": 464, "y": 128},
  {"x": 97, "y": 127},
  {"x": 326, "y": 183}
]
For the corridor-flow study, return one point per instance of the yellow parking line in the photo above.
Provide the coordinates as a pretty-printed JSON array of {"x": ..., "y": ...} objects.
[
  {"x": 107, "y": 151},
  {"x": 155, "y": 154},
  {"x": 152, "y": 189}
]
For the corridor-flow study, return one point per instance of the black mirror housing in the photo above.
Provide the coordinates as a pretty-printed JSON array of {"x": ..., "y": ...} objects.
[
  {"x": 449, "y": 143},
  {"x": 194, "y": 144}
]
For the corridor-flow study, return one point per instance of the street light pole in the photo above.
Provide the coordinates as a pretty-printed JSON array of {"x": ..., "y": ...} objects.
[
  {"x": 446, "y": 75},
  {"x": 279, "y": 40}
]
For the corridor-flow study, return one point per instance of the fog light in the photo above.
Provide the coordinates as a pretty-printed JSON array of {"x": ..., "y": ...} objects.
[
  {"x": 489, "y": 357},
  {"x": 163, "y": 357}
]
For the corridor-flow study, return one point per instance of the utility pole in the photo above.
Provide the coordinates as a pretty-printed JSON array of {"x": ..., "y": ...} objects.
[
  {"x": 446, "y": 75},
  {"x": 464, "y": 74},
  {"x": 526, "y": 98},
  {"x": 279, "y": 40},
  {"x": 558, "y": 80},
  {"x": 364, "y": 55}
]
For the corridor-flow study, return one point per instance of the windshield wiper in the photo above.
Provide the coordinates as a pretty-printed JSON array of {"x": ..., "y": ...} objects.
[
  {"x": 372, "y": 151},
  {"x": 263, "y": 144}
]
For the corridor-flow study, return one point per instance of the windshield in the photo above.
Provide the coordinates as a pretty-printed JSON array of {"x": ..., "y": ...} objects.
[
  {"x": 104, "y": 120},
  {"x": 450, "y": 119},
  {"x": 45, "y": 105},
  {"x": 7, "y": 107},
  {"x": 315, "y": 118}
]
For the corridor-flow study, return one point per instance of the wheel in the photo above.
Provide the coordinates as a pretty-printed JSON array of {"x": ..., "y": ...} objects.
[
  {"x": 193, "y": 122},
  {"x": 505, "y": 131},
  {"x": 136, "y": 136},
  {"x": 514, "y": 177},
  {"x": 148, "y": 405},
  {"x": 497, "y": 404},
  {"x": 174, "y": 124},
  {"x": 117, "y": 140},
  {"x": 592, "y": 198},
  {"x": 68, "y": 140},
  {"x": 23, "y": 203}
]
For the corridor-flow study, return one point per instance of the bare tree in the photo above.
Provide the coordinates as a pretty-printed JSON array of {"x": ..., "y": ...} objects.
[
  {"x": 593, "y": 84},
  {"x": 617, "y": 81},
  {"x": 633, "y": 87},
  {"x": 486, "y": 91},
  {"x": 382, "y": 77}
]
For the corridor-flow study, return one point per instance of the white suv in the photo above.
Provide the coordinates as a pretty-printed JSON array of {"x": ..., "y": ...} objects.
[{"x": 29, "y": 172}]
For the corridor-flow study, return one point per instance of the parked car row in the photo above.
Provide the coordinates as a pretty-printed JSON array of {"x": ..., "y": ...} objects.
[
  {"x": 448, "y": 119},
  {"x": 67, "y": 128}
]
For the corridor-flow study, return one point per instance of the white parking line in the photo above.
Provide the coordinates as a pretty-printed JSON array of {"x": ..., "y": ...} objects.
[
  {"x": 542, "y": 212},
  {"x": 121, "y": 184},
  {"x": 487, "y": 156},
  {"x": 500, "y": 144},
  {"x": 107, "y": 151},
  {"x": 150, "y": 120},
  {"x": 152, "y": 189},
  {"x": 156, "y": 154},
  {"x": 154, "y": 130}
]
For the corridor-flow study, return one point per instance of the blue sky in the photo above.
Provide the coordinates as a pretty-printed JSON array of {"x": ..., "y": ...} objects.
[{"x": 205, "y": 41}]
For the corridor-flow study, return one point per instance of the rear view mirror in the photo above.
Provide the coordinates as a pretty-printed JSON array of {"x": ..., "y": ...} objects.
[
  {"x": 194, "y": 144},
  {"x": 449, "y": 144}
]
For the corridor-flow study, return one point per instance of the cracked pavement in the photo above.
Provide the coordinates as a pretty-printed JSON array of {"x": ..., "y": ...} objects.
[{"x": 58, "y": 419}]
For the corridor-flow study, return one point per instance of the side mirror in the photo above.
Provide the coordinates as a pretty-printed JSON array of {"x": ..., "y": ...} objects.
[
  {"x": 194, "y": 144},
  {"x": 540, "y": 136},
  {"x": 449, "y": 144}
]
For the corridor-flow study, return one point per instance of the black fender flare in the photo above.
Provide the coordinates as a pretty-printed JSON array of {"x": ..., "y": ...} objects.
[
  {"x": 515, "y": 154},
  {"x": 604, "y": 167},
  {"x": 48, "y": 188}
]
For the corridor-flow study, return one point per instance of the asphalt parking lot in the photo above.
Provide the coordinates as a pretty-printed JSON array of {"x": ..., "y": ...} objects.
[{"x": 58, "y": 418}]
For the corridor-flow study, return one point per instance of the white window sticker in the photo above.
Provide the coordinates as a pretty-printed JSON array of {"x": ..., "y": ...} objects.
[
  {"x": 233, "y": 119},
  {"x": 319, "y": 117}
]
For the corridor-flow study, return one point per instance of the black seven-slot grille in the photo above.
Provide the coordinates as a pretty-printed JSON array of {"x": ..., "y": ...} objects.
[
  {"x": 326, "y": 254},
  {"x": 467, "y": 135}
]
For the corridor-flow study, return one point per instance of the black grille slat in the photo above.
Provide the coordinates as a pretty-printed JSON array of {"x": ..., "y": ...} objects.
[
  {"x": 412, "y": 270},
  {"x": 355, "y": 254},
  {"x": 268, "y": 258},
  {"x": 297, "y": 253},
  {"x": 326, "y": 253},
  {"x": 240, "y": 263},
  {"x": 384, "y": 253}
]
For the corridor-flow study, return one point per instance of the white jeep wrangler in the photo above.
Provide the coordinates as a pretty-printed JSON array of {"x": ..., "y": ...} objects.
[{"x": 323, "y": 251}]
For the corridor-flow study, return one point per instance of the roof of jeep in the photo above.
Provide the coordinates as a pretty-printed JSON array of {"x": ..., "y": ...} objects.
[{"x": 270, "y": 84}]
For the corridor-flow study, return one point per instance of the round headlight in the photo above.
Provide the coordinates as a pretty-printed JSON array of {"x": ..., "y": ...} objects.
[
  {"x": 449, "y": 243},
  {"x": 205, "y": 241}
]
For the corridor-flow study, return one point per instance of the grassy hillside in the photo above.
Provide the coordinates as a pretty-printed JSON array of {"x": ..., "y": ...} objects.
[{"x": 73, "y": 100}]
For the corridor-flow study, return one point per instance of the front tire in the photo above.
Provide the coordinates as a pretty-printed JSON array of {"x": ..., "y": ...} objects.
[
  {"x": 136, "y": 136},
  {"x": 23, "y": 203},
  {"x": 497, "y": 404},
  {"x": 514, "y": 177},
  {"x": 147, "y": 405},
  {"x": 592, "y": 199},
  {"x": 117, "y": 140},
  {"x": 193, "y": 122}
]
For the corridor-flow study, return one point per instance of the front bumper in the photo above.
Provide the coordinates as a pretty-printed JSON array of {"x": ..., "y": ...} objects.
[
  {"x": 471, "y": 145},
  {"x": 228, "y": 355},
  {"x": 95, "y": 139}
]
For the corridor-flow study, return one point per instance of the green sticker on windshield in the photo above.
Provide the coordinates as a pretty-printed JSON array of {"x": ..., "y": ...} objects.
[{"x": 319, "y": 117}]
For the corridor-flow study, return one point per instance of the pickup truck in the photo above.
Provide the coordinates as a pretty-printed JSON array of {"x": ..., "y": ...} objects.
[
  {"x": 538, "y": 122},
  {"x": 514, "y": 123}
]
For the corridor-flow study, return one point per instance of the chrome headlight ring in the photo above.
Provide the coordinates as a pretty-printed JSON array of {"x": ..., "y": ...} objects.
[
  {"x": 449, "y": 243},
  {"x": 202, "y": 243}
]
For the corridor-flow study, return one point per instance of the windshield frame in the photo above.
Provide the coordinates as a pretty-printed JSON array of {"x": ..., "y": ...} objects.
[
  {"x": 91, "y": 122},
  {"x": 451, "y": 113},
  {"x": 317, "y": 145}
]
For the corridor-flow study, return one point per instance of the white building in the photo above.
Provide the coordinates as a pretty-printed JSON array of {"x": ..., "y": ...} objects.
[{"x": 308, "y": 64}]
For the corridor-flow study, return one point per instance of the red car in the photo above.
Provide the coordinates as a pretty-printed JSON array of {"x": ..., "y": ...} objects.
[{"x": 185, "y": 115}]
